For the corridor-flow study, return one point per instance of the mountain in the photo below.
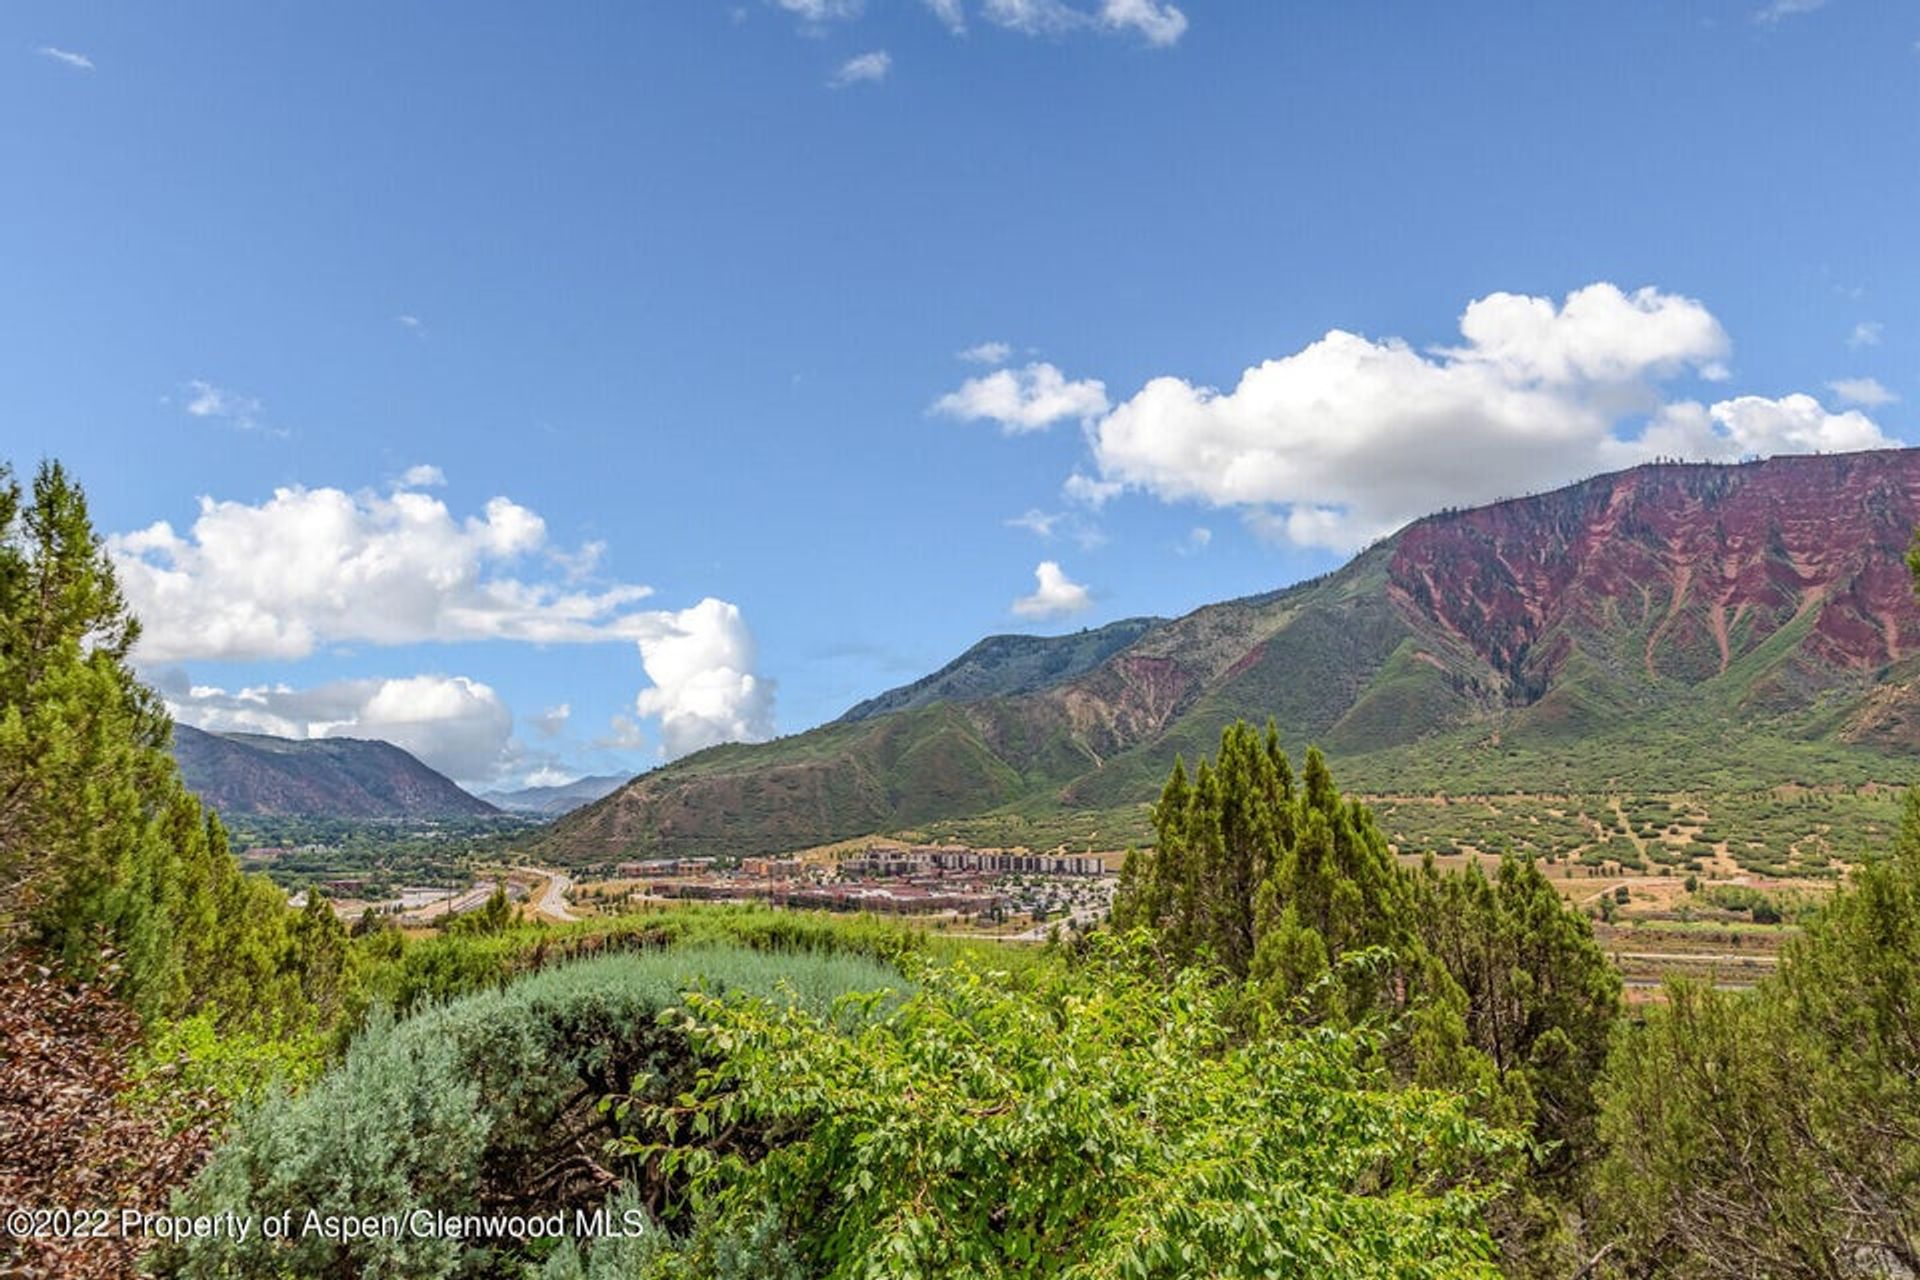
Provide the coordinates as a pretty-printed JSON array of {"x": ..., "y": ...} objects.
[
  {"x": 1666, "y": 627},
  {"x": 551, "y": 802},
  {"x": 253, "y": 773},
  {"x": 1003, "y": 665}
]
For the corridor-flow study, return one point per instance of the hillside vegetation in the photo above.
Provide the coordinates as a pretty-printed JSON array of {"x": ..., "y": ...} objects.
[
  {"x": 1673, "y": 628},
  {"x": 1289, "y": 1055}
]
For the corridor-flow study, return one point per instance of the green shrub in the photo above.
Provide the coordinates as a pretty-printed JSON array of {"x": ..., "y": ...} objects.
[
  {"x": 489, "y": 1102},
  {"x": 1778, "y": 1132},
  {"x": 193, "y": 1055},
  {"x": 1764, "y": 906},
  {"x": 448, "y": 966},
  {"x": 1101, "y": 1124}
]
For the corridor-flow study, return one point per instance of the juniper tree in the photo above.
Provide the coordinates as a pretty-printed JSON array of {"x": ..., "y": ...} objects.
[
  {"x": 1494, "y": 986},
  {"x": 1538, "y": 996},
  {"x": 105, "y": 858},
  {"x": 1265, "y": 878}
]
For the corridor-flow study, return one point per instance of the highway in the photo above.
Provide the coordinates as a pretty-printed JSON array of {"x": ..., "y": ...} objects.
[
  {"x": 552, "y": 902},
  {"x": 454, "y": 905}
]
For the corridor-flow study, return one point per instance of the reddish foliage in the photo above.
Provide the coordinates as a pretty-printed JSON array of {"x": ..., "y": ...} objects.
[{"x": 67, "y": 1138}]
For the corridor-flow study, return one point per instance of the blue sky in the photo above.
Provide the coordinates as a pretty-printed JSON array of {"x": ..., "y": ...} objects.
[{"x": 690, "y": 282}]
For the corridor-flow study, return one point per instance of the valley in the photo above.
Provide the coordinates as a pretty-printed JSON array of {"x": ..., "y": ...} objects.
[
  {"x": 1536, "y": 872},
  {"x": 1672, "y": 674},
  {"x": 1695, "y": 630},
  {"x": 960, "y": 640}
]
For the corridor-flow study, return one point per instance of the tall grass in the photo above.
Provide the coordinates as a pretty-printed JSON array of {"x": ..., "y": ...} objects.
[{"x": 441, "y": 968}]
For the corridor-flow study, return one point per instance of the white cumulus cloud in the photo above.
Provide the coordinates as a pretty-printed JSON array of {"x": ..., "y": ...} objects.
[
  {"x": 1599, "y": 336},
  {"x": 1350, "y": 437},
  {"x": 705, "y": 692},
  {"x": 867, "y": 68},
  {"x": 1023, "y": 400},
  {"x": 1750, "y": 426},
  {"x": 1868, "y": 333},
  {"x": 315, "y": 567},
  {"x": 311, "y": 567},
  {"x": 1055, "y": 595},
  {"x": 455, "y": 725}
]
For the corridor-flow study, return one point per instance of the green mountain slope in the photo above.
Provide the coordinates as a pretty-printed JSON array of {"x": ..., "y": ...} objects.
[
  {"x": 1665, "y": 627},
  {"x": 1003, "y": 665}
]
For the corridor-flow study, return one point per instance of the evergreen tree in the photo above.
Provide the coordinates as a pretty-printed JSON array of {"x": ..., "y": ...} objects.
[
  {"x": 321, "y": 957},
  {"x": 76, "y": 728},
  {"x": 495, "y": 915},
  {"x": 1498, "y": 988},
  {"x": 1778, "y": 1132},
  {"x": 1538, "y": 996},
  {"x": 1264, "y": 878},
  {"x": 105, "y": 858}
]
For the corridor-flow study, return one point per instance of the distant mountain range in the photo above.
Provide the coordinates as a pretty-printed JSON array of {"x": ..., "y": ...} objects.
[
  {"x": 1667, "y": 627},
  {"x": 259, "y": 775},
  {"x": 551, "y": 802}
]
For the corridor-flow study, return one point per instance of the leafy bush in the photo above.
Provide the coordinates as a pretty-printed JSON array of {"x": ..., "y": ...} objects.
[
  {"x": 1101, "y": 1124},
  {"x": 1766, "y": 907},
  {"x": 490, "y": 1102},
  {"x": 195, "y": 1056}
]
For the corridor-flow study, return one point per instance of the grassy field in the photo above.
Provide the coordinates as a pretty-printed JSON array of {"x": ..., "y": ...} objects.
[{"x": 1792, "y": 830}]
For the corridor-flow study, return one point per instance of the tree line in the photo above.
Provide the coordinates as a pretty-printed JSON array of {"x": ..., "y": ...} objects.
[{"x": 1775, "y": 1133}]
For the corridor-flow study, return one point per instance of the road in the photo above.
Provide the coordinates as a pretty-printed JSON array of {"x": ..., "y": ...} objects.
[
  {"x": 1743, "y": 959},
  {"x": 454, "y": 905},
  {"x": 552, "y": 902}
]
